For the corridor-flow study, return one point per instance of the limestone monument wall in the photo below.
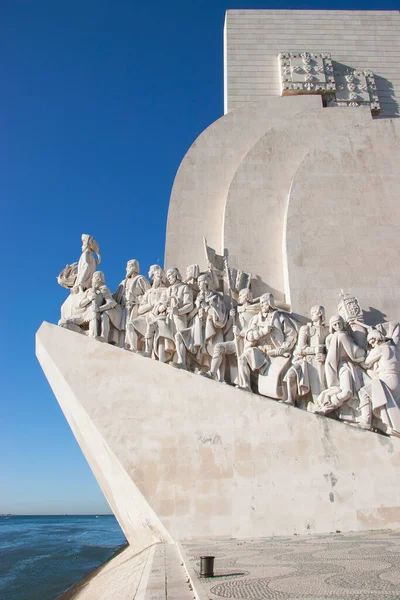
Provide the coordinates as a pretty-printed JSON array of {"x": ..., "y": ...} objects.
[
  {"x": 180, "y": 457},
  {"x": 296, "y": 190},
  {"x": 234, "y": 188},
  {"x": 360, "y": 39}
]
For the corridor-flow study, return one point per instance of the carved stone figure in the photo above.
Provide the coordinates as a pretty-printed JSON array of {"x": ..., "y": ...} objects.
[
  {"x": 306, "y": 373},
  {"x": 270, "y": 334},
  {"x": 344, "y": 377},
  {"x": 209, "y": 318},
  {"x": 153, "y": 334},
  {"x": 383, "y": 390},
  {"x": 129, "y": 295},
  {"x": 191, "y": 277},
  {"x": 87, "y": 263},
  {"x": 179, "y": 299},
  {"x": 240, "y": 318},
  {"x": 104, "y": 310}
]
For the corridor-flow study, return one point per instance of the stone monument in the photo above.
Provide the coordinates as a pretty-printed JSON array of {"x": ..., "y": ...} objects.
[{"x": 220, "y": 404}]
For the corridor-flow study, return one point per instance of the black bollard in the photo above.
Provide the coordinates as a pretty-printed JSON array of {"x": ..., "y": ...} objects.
[{"x": 207, "y": 566}]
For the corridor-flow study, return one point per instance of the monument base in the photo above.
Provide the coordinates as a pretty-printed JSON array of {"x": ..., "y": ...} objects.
[{"x": 181, "y": 457}]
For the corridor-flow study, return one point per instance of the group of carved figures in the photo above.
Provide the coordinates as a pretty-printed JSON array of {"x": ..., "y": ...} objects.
[{"x": 348, "y": 370}]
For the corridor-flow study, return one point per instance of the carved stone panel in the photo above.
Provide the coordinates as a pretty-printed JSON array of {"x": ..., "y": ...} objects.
[
  {"x": 306, "y": 73},
  {"x": 355, "y": 88}
]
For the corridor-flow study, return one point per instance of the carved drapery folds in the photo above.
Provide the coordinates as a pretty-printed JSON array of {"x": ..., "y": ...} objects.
[{"x": 211, "y": 325}]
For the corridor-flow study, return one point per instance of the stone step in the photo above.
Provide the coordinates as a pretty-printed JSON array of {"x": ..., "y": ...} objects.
[{"x": 168, "y": 579}]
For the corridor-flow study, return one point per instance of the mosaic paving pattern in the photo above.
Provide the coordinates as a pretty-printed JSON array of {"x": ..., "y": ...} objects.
[{"x": 357, "y": 566}]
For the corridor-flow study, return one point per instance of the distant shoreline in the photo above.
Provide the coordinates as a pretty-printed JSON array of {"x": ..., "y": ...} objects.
[{"x": 72, "y": 591}]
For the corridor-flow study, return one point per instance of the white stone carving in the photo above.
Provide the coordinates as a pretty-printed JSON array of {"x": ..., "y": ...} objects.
[
  {"x": 269, "y": 336},
  {"x": 188, "y": 324},
  {"x": 306, "y": 73},
  {"x": 79, "y": 274},
  {"x": 313, "y": 73},
  {"x": 152, "y": 333},
  {"x": 103, "y": 310},
  {"x": 306, "y": 374},
  {"x": 208, "y": 320},
  {"x": 87, "y": 263},
  {"x": 355, "y": 88},
  {"x": 240, "y": 318},
  {"x": 342, "y": 371},
  {"x": 129, "y": 295}
]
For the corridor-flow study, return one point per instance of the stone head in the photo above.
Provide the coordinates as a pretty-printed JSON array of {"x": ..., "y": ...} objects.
[
  {"x": 317, "y": 314},
  {"x": 267, "y": 302},
  {"x": 192, "y": 272},
  {"x": 85, "y": 241},
  {"x": 375, "y": 338},
  {"x": 336, "y": 323},
  {"x": 173, "y": 275},
  {"x": 132, "y": 267},
  {"x": 154, "y": 270},
  {"x": 98, "y": 279},
  {"x": 245, "y": 295},
  {"x": 204, "y": 282}
]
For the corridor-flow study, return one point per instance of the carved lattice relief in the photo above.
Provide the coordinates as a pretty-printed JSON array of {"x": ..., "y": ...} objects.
[
  {"x": 355, "y": 88},
  {"x": 306, "y": 73}
]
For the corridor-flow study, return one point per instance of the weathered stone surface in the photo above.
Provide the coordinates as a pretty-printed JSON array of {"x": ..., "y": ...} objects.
[
  {"x": 355, "y": 39},
  {"x": 179, "y": 456},
  {"x": 202, "y": 182}
]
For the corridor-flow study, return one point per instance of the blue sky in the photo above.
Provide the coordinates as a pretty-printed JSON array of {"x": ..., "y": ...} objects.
[{"x": 99, "y": 102}]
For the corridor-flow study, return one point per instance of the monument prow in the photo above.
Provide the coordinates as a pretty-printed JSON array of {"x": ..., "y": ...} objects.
[{"x": 181, "y": 457}]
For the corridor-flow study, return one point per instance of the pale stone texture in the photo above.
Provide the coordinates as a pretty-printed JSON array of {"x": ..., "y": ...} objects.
[
  {"x": 357, "y": 39},
  {"x": 342, "y": 225},
  {"x": 179, "y": 458},
  {"x": 303, "y": 258},
  {"x": 156, "y": 573},
  {"x": 253, "y": 226},
  {"x": 202, "y": 182}
]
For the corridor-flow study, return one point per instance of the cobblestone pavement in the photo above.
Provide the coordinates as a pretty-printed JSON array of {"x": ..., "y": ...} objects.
[{"x": 357, "y": 566}]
